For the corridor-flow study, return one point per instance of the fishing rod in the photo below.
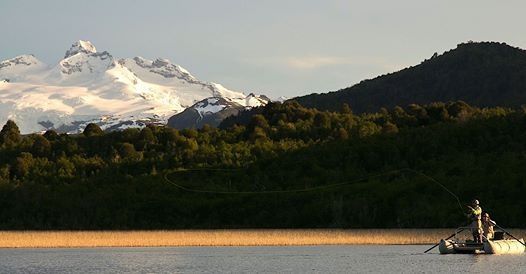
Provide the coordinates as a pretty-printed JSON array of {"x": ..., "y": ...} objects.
[{"x": 439, "y": 184}]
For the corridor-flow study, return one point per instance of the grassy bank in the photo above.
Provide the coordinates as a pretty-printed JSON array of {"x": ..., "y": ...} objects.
[{"x": 267, "y": 237}]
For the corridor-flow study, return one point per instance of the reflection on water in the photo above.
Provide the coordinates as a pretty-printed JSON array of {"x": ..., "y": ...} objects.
[{"x": 295, "y": 259}]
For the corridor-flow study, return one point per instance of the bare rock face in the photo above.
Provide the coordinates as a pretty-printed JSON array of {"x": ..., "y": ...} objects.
[
  {"x": 165, "y": 68},
  {"x": 91, "y": 62},
  {"x": 209, "y": 111},
  {"x": 213, "y": 111},
  {"x": 80, "y": 47},
  {"x": 26, "y": 60}
]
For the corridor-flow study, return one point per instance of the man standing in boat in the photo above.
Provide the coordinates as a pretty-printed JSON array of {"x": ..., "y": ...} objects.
[{"x": 476, "y": 224}]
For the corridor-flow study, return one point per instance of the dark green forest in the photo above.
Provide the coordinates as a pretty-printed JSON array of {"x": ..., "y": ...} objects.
[
  {"x": 483, "y": 74},
  {"x": 284, "y": 165}
]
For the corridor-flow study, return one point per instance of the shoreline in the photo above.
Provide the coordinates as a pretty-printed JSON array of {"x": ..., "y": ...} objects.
[{"x": 225, "y": 237}]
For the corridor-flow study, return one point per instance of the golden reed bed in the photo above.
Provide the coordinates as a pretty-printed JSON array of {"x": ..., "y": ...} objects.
[{"x": 256, "y": 237}]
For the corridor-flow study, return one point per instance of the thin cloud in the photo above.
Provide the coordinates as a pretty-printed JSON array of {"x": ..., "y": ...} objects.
[{"x": 314, "y": 62}]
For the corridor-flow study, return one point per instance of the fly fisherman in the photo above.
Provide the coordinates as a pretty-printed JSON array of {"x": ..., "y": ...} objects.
[
  {"x": 476, "y": 224},
  {"x": 487, "y": 225}
]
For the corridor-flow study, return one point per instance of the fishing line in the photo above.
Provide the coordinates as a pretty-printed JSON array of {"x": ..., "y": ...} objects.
[
  {"x": 441, "y": 185},
  {"x": 308, "y": 189},
  {"x": 276, "y": 191}
]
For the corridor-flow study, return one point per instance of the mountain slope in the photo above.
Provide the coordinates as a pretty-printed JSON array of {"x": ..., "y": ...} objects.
[
  {"x": 90, "y": 86},
  {"x": 212, "y": 111},
  {"x": 481, "y": 74}
]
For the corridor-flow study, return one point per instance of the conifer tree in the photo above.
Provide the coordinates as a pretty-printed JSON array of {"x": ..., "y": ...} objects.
[
  {"x": 92, "y": 130},
  {"x": 10, "y": 134}
]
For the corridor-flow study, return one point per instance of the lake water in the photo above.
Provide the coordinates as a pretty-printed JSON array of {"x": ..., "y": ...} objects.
[{"x": 289, "y": 259}]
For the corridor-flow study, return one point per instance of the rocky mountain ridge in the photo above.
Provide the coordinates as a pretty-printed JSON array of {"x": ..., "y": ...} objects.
[{"x": 89, "y": 86}]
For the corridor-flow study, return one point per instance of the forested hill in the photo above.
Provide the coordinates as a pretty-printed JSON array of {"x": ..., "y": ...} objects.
[
  {"x": 278, "y": 170},
  {"x": 481, "y": 74}
]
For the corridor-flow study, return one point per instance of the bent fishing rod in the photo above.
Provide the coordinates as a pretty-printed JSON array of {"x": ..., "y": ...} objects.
[{"x": 439, "y": 184}]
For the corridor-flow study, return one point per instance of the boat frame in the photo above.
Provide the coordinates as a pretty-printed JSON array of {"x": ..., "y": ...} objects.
[{"x": 488, "y": 246}]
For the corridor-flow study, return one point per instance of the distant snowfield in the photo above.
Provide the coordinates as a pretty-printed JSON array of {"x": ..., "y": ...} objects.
[{"x": 90, "y": 86}]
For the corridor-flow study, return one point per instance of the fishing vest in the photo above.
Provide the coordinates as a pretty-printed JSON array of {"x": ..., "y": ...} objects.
[{"x": 476, "y": 213}]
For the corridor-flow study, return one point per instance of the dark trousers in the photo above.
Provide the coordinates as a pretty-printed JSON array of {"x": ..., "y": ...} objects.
[
  {"x": 476, "y": 229},
  {"x": 477, "y": 237}
]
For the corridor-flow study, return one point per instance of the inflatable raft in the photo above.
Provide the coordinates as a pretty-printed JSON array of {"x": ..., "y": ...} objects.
[
  {"x": 497, "y": 245},
  {"x": 488, "y": 247}
]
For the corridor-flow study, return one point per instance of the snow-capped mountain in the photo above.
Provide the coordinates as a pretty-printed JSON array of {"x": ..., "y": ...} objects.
[
  {"x": 213, "y": 110},
  {"x": 90, "y": 86}
]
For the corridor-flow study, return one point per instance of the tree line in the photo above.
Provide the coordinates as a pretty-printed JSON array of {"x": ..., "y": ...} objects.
[{"x": 116, "y": 180}]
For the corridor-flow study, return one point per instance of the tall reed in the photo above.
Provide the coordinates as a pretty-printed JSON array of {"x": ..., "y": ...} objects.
[{"x": 251, "y": 237}]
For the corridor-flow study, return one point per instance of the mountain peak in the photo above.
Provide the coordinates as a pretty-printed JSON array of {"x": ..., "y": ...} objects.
[
  {"x": 80, "y": 46},
  {"x": 26, "y": 59},
  {"x": 90, "y": 86}
]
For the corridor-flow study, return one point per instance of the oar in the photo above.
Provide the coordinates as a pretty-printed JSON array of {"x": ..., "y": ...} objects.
[
  {"x": 510, "y": 234},
  {"x": 444, "y": 240}
]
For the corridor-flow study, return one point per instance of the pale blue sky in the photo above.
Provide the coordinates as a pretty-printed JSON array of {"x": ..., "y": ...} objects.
[{"x": 274, "y": 47}]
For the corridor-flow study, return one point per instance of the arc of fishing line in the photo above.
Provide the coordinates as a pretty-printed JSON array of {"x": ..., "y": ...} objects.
[
  {"x": 312, "y": 188},
  {"x": 276, "y": 191}
]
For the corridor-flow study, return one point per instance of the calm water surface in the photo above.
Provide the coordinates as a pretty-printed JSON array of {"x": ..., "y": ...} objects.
[{"x": 294, "y": 259}]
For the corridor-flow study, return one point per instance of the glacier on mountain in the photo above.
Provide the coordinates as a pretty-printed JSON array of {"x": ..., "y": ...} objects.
[{"x": 90, "y": 86}]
